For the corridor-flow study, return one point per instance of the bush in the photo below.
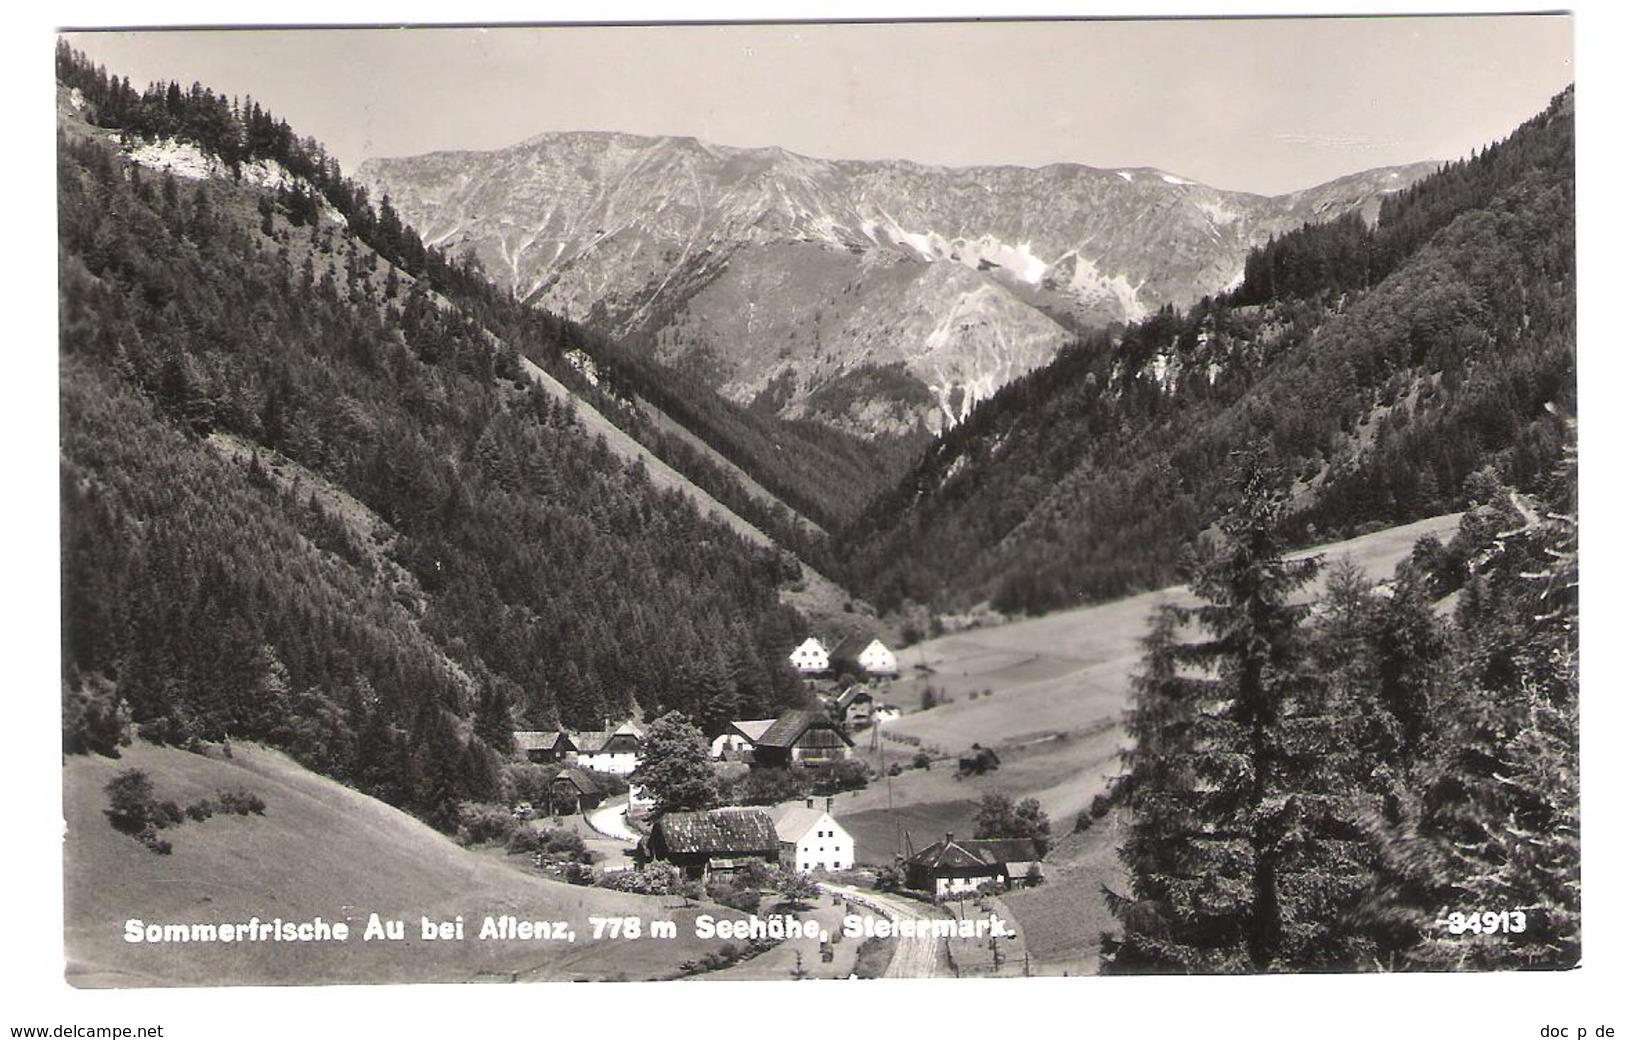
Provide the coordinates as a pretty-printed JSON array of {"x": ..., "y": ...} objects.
[
  {"x": 797, "y": 889},
  {"x": 566, "y": 844},
  {"x": 525, "y": 840},
  {"x": 922, "y": 760},
  {"x": 849, "y": 774},
  {"x": 133, "y": 810},
  {"x": 241, "y": 802},
  {"x": 739, "y": 897},
  {"x": 481, "y": 823},
  {"x": 200, "y": 810},
  {"x": 656, "y": 879},
  {"x": 131, "y": 807},
  {"x": 768, "y": 787}
]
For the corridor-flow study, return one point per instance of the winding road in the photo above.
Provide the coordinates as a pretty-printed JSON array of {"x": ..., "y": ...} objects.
[
  {"x": 917, "y": 956},
  {"x": 610, "y": 821}
]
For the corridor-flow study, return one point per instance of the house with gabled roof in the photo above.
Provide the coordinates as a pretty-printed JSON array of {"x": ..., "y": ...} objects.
[
  {"x": 801, "y": 737},
  {"x": 863, "y": 655},
  {"x": 703, "y": 843},
  {"x": 811, "y": 657},
  {"x": 854, "y": 706},
  {"x": 950, "y": 867},
  {"x": 610, "y": 751},
  {"x": 810, "y": 839}
]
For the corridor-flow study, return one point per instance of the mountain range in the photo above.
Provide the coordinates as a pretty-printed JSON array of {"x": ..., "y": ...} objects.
[{"x": 877, "y": 296}]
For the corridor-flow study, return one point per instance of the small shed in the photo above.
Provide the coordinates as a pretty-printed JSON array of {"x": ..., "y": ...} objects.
[{"x": 572, "y": 790}]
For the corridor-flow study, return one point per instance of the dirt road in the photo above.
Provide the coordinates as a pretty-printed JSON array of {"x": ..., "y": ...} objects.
[
  {"x": 610, "y": 821},
  {"x": 917, "y": 956}
]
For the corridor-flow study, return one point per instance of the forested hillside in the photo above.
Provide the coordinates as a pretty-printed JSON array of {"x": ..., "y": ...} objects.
[
  {"x": 1384, "y": 366},
  {"x": 822, "y": 475},
  {"x": 310, "y": 499}
]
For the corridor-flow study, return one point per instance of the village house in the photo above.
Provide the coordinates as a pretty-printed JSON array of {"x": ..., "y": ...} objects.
[
  {"x": 609, "y": 751},
  {"x": 810, "y": 839},
  {"x": 544, "y": 745},
  {"x": 810, "y": 658},
  {"x": 717, "y": 840},
  {"x": 853, "y": 706},
  {"x": 806, "y": 738},
  {"x": 952, "y": 867},
  {"x": 734, "y": 743},
  {"x": 861, "y": 655}
]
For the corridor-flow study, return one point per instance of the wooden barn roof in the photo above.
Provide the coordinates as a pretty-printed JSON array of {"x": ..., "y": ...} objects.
[
  {"x": 793, "y": 725},
  {"x": 719, "y": 831},
  {"x": 540, "y": 739},
  {"x": 578, "y": 778}
]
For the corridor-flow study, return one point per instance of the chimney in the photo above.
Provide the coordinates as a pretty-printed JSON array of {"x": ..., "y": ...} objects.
[
  {"x": 948, "y": 838},
  {"x": 809, "y": 803},
  {"x": 829, "y": 805}
]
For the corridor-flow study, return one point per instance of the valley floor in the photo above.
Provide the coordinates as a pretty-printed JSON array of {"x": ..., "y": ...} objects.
[{"x": 1049, "y": 695}]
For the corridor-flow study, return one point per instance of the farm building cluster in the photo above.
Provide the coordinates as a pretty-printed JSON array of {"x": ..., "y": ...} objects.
[
  {"x": 805, "y": 838},
  {"x": 796, "y": 837},
  {"x": 577, "y": 755}
]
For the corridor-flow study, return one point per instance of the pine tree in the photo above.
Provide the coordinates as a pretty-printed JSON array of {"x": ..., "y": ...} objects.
[{"x": 1236, "y": 857}]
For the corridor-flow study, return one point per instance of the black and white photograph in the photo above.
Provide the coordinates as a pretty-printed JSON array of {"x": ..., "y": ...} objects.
[{"x": 1028, "y": 502}]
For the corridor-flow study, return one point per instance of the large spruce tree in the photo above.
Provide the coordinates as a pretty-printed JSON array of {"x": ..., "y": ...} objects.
[{"x": 1240, "y": 851}]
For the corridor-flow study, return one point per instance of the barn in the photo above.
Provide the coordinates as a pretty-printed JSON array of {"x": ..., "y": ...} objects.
[
  {"x": 717, "y": 840},
  {"x": 806, "y": 738}
]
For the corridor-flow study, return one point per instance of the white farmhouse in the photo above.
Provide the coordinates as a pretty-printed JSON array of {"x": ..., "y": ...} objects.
[
  {"x": 610, "y": 751},
  {"x": 810, "y": 658},
  {"x": 810, "y": 839},
  {"x": 863, "y": 655},
  {"x": 877, "y": 660}
]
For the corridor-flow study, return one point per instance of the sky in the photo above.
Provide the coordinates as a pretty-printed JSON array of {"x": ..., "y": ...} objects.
[{"x": 1262, "y": 105}]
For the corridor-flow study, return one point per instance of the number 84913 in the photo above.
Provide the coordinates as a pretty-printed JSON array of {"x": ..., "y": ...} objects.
[{"x": 1487, "y": 922}]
